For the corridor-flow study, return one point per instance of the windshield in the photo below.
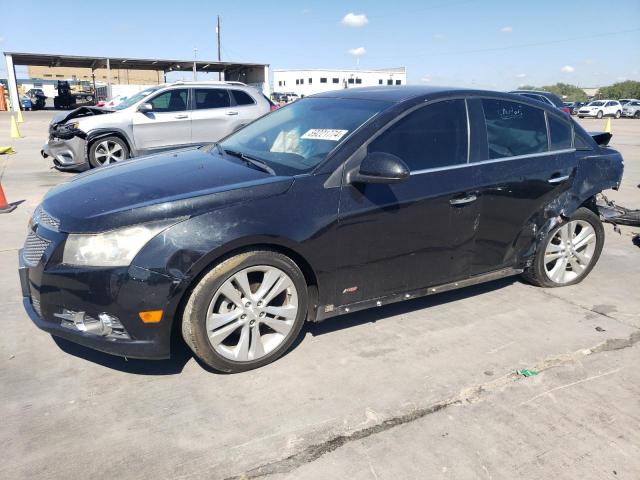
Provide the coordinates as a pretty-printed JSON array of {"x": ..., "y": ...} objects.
[
  {"x": 136, "y": 98},
  {"x": 596, "y": 104},
  {"x": 296, "y": 138}
]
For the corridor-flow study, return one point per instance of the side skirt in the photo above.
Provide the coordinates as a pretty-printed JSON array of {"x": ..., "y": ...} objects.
[{"x": 328, "y": 311}]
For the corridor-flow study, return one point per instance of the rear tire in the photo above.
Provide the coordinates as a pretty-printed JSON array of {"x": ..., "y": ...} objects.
[
  {"x": 246, "y": 311},
  {"x": 569, "y": 251},
  {"x": 637, "y": 114},
  {"x": 599, "y": 115}
]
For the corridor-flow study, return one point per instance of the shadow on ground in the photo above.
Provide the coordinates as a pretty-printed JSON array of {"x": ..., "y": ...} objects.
[{"x": 181, "y": 354}]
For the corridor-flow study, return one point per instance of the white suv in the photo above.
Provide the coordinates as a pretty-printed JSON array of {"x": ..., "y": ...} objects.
[
  {"x": 159, "y": 118},
  {"x": 601, "y": 108}
]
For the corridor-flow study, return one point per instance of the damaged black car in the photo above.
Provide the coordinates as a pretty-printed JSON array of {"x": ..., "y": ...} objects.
[{"x": 339, "y": 202}]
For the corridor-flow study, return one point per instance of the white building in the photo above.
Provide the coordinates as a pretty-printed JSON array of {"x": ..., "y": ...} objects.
[{"x": 308, "y": 82}]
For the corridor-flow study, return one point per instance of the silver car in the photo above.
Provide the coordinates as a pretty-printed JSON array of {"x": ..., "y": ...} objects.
[
  {"x": 159, "y": 118},
  {"x": 631, "y": 109}
]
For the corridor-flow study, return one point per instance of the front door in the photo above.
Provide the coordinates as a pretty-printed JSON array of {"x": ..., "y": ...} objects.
[
  {"x": 419, "y": 232},
  {"x": 167, "y": 125},
  {"x": 526, "y": 166}
]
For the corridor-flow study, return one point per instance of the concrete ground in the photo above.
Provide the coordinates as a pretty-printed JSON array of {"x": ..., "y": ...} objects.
[{"x": 421, "y": 389}]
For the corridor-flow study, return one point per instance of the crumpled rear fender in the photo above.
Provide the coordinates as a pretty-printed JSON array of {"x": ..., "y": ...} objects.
[{"x": 594, "y": 173}]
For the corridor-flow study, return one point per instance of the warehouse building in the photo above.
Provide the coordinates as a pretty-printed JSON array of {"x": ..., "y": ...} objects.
[{"x": 308, "y": 82}]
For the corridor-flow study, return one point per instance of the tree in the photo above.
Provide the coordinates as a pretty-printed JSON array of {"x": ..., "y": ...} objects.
[{"x": 627, "y": 89}]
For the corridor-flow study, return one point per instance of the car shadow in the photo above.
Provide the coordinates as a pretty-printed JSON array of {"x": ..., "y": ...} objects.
[{"x": 181, "y": 354}]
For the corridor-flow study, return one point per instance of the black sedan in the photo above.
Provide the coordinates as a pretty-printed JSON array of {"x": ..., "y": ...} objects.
[{"x": 338, "y": 202}]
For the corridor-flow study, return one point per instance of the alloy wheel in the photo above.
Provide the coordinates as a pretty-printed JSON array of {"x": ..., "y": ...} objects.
[
  {"x": 570, "y": 251},
  {"x": 252, "y": 313},
  {"x": 108, "y": 152}
]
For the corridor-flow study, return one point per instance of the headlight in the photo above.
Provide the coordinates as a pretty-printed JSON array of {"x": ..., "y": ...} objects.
[
  {"x": 75, "y": 125},
  {"x": 110, "y": 249}
]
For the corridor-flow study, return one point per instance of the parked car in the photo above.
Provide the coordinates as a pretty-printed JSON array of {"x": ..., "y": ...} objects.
[
  {"x": 631, "y": 109},
  {"x": 544, "y": 97},
  {"x": 112, "y": 102},
  {"x": 601, "y": 108},
  {"x": 158, "y": 118},
  {"x": 624, "y": 101},
  {"x": 577, "y": 106},
  {"x": 342, "y": 201},
  {"x": 37, "y": 97}
]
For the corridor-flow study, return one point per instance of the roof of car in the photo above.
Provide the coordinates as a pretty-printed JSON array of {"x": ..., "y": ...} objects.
[{"x": 398, "y": 93}]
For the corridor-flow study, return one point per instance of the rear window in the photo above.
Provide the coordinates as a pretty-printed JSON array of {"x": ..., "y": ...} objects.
[
  {"x": 560, "y": 133},
  {"x": 211, "y": 98},
  {"x": 243, "y": 98},
  {"x": 514, "y": 128}
]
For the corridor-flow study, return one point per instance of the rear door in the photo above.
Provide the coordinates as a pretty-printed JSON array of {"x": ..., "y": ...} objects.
[
  {"x": 418, "y": 232},
  {"x": 247, "y": 107},
  {"x": 213, "y": 116},
  {"x": 525, "y": 165},
  {"x": 168, "y": 125}
]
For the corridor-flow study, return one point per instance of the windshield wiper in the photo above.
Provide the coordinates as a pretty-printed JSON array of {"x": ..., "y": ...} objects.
[{"x": 256, "y": 162}]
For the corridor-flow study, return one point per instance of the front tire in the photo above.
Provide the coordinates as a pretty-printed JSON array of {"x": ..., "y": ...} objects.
[
  {"x": 107, "y": 150},
  {"x": 569, "y": 251},
  {"x": 618, "y": 113},
  {"x": 599, "y": 115},
  {"x": 246, "y": 311}
]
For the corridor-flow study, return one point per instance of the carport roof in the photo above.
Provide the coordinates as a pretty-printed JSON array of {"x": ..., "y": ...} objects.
[{"x": 50, "y": 60}]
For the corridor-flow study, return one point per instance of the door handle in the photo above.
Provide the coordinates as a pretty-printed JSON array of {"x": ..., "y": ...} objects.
[
  {"x": 232, "y": 113},
  {"x": 463, "y": 201},
  {"x": 561, "y": 179},
  {"x": 183, "y": 115}
]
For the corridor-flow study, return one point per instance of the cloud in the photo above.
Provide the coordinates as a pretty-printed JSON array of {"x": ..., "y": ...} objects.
[
  {"x": 507, "y": 29},
  {"x": 426, "y": 79},
  {"x": 567, "y": 69},
  {"x": 1, "y": 39},
  {"x": 521, "y": 75},
  {"x": 357, "y": 52},
  {"x": 588, "y": 61},
  {"x": 355, "y": 20}
]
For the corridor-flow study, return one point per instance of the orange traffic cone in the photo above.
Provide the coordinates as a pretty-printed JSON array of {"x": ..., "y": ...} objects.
[{"x": 4, "y": 206}]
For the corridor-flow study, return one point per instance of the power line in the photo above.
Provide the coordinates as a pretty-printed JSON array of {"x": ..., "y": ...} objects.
[{"x": 509, "y": 47}]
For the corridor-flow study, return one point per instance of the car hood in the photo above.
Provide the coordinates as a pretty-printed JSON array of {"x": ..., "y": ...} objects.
[
  {"x": 177, "y": 184},
  {"x": 81, "y": 112}
]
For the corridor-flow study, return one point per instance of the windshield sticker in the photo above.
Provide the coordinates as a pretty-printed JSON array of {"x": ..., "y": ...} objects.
[{"x": 324, "y": 134}]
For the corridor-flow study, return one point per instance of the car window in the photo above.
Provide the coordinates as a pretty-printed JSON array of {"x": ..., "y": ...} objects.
[
  {"x": 170, "y": 101},
  {"x": 430, "y": 137},
  {"x": 560, "y": 133},
  {"x": 211, "y": 98},
  {"x": 514, "y": 128},
  {"x": 243, "y": 98}
]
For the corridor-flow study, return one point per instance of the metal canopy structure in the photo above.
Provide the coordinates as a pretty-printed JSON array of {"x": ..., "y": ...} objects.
[{"x": 251, "y": 73}]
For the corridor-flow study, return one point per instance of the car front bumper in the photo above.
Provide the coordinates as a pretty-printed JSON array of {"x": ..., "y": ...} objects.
[
  {"x": 51, "y": 292},
  {"x": 67, "y": 154},
  {"x": 628, "y": 113}
]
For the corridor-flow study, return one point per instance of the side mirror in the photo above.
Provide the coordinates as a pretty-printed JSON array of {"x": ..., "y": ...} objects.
[
  {"x": 380, "y": 167},
  {"x": 145, "y": 108}
]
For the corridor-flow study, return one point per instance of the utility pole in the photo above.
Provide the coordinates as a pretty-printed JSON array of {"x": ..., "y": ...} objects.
[
  {"x": 195, "y": 59},
  {"x": 219, "y": 56}
]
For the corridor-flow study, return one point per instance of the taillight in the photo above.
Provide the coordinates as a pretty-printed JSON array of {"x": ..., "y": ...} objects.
[
  {"x": 566, "y": 110},
  {"x": 274, "y": 107}
]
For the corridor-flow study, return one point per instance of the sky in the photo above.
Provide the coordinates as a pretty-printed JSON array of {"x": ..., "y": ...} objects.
[{"x": 496, "y": 44}]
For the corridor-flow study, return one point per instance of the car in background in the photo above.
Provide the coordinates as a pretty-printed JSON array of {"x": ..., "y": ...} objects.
[
  {"x": 544, "y": 97},
  {"x": 162, "y": 117},
  {"x": 37, "y": 98},
  {"x": 624, "y": 101},
  {"x": 112, "y": 102},
  {"x": 577, "y": 106},
  {"x": 601, "y": 108},
  {"x": 631, "y": 109},
  {"x": 342, "y": 201}
]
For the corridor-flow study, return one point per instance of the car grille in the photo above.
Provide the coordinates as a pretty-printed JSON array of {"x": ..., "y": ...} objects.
[
  {"x": 43, "y": 218},
  {"x": 36, "y": 306},
  {"x": 34, "y": 248}
]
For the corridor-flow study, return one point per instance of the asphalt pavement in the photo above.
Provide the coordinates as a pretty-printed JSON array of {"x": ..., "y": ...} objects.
[{"x": 422, "y": 389}]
